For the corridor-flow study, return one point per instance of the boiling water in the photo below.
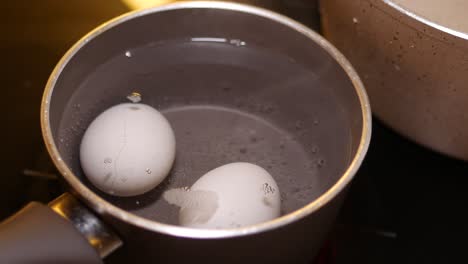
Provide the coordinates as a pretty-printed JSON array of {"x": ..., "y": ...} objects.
[{"x": 227, "y": 101}]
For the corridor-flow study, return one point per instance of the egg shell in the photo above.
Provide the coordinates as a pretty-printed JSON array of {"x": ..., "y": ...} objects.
[
  {"x": 246, "y": 194},
  {"x": 128, "y": 149}
]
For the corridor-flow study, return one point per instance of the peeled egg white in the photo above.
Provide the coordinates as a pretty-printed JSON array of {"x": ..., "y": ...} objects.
[
  {"x": 128, "y": 149},
  {"x": 233, "y": 195}
]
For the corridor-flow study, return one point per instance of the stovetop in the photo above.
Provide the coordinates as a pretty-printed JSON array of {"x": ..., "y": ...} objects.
[{"x": 406, "y": 204}]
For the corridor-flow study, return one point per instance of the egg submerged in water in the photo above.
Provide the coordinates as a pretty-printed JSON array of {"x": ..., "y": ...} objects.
[
  {"x": 128, "y": 149},
  {"x": 233, "y": 195}
]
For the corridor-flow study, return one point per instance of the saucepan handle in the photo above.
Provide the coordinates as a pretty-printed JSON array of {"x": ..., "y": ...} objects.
[{"x": 63, "y": 232}]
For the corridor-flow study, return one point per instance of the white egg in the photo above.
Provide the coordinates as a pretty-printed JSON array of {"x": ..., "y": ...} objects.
[
  {"x": 233, "y": 195},
  {"x": 128, "y": 149}
]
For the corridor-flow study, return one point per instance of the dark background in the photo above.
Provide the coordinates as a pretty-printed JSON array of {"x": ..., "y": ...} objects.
[{"x": 406, "y": 205}]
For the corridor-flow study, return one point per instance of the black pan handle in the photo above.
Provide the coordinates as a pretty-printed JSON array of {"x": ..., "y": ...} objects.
[{"x": 66, "y": 232}]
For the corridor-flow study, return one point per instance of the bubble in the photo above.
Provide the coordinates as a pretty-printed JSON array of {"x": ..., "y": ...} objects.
[
  {"x": 237, "y": 42},
  {"x": 134, "y": 97},
  {"x": 128, "y": 54},
  {"x": 320, "y": 163},
  {"x": 77, "y": 106},
  {"x": 314, "y": 150}
]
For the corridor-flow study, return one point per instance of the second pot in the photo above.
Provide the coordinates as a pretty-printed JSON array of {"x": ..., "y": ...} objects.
[{"x": 415, "y": 70}]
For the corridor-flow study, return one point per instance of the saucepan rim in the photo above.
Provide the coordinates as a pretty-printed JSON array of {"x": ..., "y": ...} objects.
[
  {"x": 425, "y": 21},
  {"x": 103, "y": 207}
]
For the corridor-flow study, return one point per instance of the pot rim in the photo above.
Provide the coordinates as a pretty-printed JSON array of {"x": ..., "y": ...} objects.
[
  {"x": 426, "y": 21},
  {"x": 103, "y": 207}
]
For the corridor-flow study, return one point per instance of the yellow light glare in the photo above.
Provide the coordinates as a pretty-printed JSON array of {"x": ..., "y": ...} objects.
[{"x": 140, "y": 4}]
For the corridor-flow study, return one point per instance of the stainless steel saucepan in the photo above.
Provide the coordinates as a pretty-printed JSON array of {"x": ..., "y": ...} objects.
[{"x": 237, "y": 83}]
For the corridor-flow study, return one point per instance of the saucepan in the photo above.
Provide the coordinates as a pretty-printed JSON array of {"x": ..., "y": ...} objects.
[
  {"x": 412, "y": 57},
  {"x": 236, "y": 83}
]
